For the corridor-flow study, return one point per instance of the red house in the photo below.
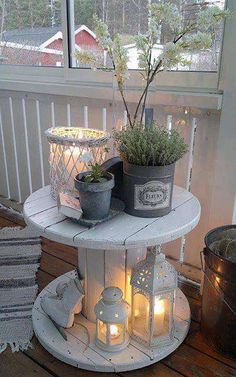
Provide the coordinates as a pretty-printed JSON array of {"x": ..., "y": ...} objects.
[{"x": 37, "y": 47}]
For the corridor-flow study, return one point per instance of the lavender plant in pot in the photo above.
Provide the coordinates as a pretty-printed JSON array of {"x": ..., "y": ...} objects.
[
  {"x": 94, "y": 189},
  {"x": 149, "y": 153}
]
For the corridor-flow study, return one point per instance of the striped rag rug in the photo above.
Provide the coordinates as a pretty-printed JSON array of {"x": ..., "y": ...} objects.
[{"x": 19, "y": 261}]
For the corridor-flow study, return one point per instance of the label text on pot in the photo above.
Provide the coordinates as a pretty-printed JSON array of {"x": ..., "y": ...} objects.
[{"x": 152, "y": 195}]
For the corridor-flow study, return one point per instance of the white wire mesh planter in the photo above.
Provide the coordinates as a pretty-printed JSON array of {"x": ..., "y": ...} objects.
[{"x": 72, "y": 149}]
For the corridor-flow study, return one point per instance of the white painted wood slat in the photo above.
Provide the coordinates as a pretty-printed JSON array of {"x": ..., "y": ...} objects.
[
  {"x": 27, "y": 145},
  {"x": 104, "y": 119},
  {"x": 68, "y": 111},
  {"x": 4, "y": 156},
  {"x": 38, "y": 195},
  {"x": 189, "y": 176},
  {"x": 188, "y": 213},
  {"x": 95, "y": 272},
  {"x": 15, "y": 150},
  {"x": 86, "y": 117},
  {"x": 40, "y": 141},
  {"x": 53, "y": 115},
  {"x": 121, "y": 232},
  {"x": 115, "y": 269}
]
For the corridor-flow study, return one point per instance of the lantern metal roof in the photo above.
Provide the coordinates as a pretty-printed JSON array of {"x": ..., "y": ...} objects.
[
  {"x": 154, "y": 274},
  {"x": 112, "y": 308}
]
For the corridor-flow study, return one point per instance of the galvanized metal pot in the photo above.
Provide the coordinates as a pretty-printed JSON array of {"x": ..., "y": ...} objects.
[
  {"x": 148, "y": 189},
  {"x": 95, "y": 198},
  {"x": 218, "y": 319}
]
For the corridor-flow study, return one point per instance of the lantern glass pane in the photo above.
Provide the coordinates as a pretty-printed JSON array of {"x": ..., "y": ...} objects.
[
  {"x": 141, "y": 323},
  {"x": 116, "y": 333},
  {"x": 102, "y": 331},
  {"x": 162, "y": 315}
]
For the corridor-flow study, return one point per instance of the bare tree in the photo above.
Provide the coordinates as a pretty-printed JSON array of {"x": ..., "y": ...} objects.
[
  {"x": 138, "y": 5},
  {"x": 3, "y": 13}
]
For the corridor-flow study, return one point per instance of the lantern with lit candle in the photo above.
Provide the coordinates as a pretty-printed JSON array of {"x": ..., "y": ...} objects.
[
  {"x": 111, "y": 320},
  {"x": 72, "y": 149},
  {"x": 154, "y": 283}
]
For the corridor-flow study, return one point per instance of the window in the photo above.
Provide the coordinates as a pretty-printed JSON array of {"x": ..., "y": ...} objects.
[
  {"x": 129, "y": 18},
  {"x": 69, "y": 24},
  {"x": 31, "y": 32}
]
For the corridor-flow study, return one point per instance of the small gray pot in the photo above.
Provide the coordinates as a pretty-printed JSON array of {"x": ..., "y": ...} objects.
[
  {"x": 95, "y": 198},
  {"x": 148, "y": 189}
]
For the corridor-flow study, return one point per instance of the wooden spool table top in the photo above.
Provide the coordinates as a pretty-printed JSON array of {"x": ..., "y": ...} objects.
[{"x": 122, "y": 232}]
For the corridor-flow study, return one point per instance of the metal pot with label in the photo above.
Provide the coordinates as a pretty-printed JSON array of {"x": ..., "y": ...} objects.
[{"x": 148, "y": 189}]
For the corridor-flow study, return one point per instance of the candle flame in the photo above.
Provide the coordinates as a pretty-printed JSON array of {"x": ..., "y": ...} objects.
[
  {"x": 114, "y": 331},
  {"x": 159, "y": 307}
]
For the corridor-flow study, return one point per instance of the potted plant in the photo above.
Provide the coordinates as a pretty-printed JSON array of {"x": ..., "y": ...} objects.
[
  {"x": 95, "y": 188},
  {"x": 149, "y": 152},
  {"x": 149, "y": 156}
]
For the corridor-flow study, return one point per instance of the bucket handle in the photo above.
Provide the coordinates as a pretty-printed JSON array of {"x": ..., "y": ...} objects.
[{"x": 219, "y": 292}]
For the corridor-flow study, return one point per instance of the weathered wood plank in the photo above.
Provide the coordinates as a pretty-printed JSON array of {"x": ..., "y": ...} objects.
[
  {"x": 41, "y": 193},
  {"x": 155, "y": 370},
  {"x": 19, "y": 365},
  {"x": 125, "y": 231},
  {"x": 195, "y": 307},
  {"x": 47, "y": 218},
  {"x": 41, "y": 204},
  {"x": 59, "y": 369},
  {"x": 54, "y": 266},
  {"x": 43, "y": 279},
  {"x": 121, "y": 232},
  {"x": 64, "y": 232},
  {"x": 168, "y": 228},
  {"x": 192, "y": 363},
  {"x": 192, "y": 272},
  {"x": 190, "y": 290},
  {"x": 12, "y": 216},
  {"x": 196, "y": 340},
  {"x": 5, "y": 222},
  {"x": 67, "y": 253}
]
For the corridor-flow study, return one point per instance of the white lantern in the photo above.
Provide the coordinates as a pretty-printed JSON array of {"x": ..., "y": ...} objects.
[
  {"x": 72, "y": 149},
  {"x": 154, "y": 284},
  {"x": 111, "y": 320}
]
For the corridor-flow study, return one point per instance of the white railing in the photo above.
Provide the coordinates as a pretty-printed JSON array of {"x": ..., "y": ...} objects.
[{"x": 24, "y": 150}]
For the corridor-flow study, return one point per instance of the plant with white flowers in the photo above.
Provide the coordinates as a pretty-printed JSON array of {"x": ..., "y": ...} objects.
[{"x": 186, "y": 38}]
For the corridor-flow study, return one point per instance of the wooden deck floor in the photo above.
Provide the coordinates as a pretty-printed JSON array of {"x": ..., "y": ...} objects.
[{"x": 194, "y": 358}]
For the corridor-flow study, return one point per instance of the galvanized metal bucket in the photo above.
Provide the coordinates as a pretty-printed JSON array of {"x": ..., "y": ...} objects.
[
  {"x": 218, "y": 322},
  {"x": 148, "y": 189}
]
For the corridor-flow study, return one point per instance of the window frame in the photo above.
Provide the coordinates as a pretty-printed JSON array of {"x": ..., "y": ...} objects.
[{"x": 82, "y": 81}]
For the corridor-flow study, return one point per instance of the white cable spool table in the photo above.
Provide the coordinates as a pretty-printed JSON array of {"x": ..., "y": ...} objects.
[{"x": 106, "y": 255}]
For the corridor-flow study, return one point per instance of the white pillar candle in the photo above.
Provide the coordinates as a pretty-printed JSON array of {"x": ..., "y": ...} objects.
[
  {"x": 72, "y": 161},
  {"x": 159, "y": 316}
]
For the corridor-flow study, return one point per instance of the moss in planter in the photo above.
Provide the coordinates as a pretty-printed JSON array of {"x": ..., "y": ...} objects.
[{"x": 152, "y": 146}]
